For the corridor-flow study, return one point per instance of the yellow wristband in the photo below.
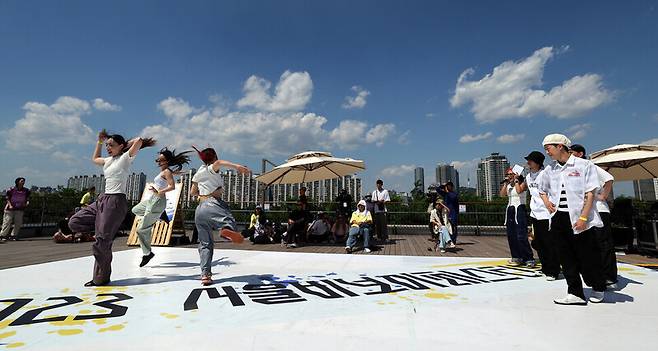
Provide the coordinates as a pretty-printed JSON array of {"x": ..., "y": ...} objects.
[
  {"x": 100, "y": 142},
  {"x": 583, "y": 218}
]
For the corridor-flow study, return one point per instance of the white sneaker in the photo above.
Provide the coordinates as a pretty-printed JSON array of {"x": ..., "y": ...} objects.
[
  {"x": 366, "y": 250},
  {"x": 443, "y": 251},
  {"x": 570, "y": 300},
  {"x": 550, "y": 278},
  {"x": 611, "y": 285},
  {"x": 597, "y": 296},
  {"x": 293, "y": 245}
]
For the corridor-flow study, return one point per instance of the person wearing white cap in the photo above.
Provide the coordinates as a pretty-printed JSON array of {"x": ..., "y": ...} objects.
[
  {"x": 359, "y": 224},
  {"x": 567, "y": 189},
  {"x": 603, "y": 235}
]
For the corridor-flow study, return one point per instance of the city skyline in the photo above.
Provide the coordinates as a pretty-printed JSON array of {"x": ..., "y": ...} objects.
[{"x": 398, "y": 85}]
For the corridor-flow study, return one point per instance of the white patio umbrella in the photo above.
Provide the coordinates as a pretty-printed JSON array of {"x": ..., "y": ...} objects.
[
  {"x": 311, "y": 166},
  {"x": 628, "y": 161}
]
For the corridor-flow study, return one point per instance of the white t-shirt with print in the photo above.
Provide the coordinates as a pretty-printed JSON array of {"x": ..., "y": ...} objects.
[{"x": 116, "y": 170}]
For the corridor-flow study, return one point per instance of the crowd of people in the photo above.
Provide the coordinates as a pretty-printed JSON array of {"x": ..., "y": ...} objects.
[
  {"x": 568, "y": 213},
  {"x": 569, "y": 217}
]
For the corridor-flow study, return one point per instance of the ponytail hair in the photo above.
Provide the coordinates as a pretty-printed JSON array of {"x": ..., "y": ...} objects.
[
  {"x": 175, "y": 160},
  {"x": 207, "y": 155},
  {"x": 119, "y": 139}
]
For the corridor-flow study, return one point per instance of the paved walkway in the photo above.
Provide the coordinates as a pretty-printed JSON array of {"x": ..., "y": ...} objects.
[{"x": 41, "y": 250}]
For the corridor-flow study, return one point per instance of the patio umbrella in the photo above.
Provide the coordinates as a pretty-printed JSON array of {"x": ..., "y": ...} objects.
[
  {"x": 629, "y": 162},
  {"x": 311, "y": 166}
]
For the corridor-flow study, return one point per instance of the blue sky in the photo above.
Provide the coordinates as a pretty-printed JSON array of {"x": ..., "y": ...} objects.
[{"x": 375, "y": 80}]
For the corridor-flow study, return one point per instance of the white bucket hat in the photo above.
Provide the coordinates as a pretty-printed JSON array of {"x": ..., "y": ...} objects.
[{"x": 556, "y": 139}]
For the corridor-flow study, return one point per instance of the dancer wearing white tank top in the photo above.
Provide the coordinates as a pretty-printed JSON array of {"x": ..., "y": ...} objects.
[{"x": 151, "y": 208}]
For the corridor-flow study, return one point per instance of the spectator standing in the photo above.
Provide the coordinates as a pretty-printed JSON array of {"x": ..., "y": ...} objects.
[
  {"x": 344, "y": 202},
  {"x": 603, "y": 234},
  {"x": 451, "y": 199},
  {"x": 18, "y": 198},
  {"x": 441, "y": 225},
  {"x": 380, "y": 197},
  {"x": 514, "y": 188},
  {"x": 540, "y": 217}
]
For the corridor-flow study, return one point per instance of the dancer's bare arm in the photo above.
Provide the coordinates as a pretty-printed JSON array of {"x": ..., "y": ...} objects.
[{"x": 223, "y": 163}]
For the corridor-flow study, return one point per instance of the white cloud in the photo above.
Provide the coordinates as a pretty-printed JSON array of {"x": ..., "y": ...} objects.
[
  {"x": 429, "y": 115},
  {"x": 468, "y": 164},
  {"x": 578, "y": 131},
  {"x": 257, "y": 133},
  {"x": 508, "y": 91},
  {"x": 379, "y": 133},
  {"x": 468, "y": 138},
  {"x": 397, "y": 171},
  {"x": 653, "y": 141},
  {"x": 356, "y": 102},
  {"x": 103, "y": 105},
  {"x": 292, "y": 93},
  {"x": 64, "y": 156},
  {"x": 403, "y": 139},
  {"x": 510, "y": 138},
  {"x": 44, "y": 127}
]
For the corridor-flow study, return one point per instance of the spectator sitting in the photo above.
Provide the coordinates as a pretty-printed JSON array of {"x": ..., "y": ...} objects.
[
  {"x": 360, "y": 225},
  {"x": 441, "y": 225},
  {"x": 319, "y": 230},
  {"x": 263, "y": 233},
  {"x": 257, "y": 217},
  {"x": 339, "y": 229},
  {"x": 296, "y": 225}
]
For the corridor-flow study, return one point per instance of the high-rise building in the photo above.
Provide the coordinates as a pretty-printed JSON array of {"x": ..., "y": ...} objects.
[
  {"x": 490, "y": 174},
  {"x": 84, "y": 182},
  {"x": 186, "y": 181},
  {"x": 135, "y": 186},
  {"x": 447, "y": 173},
  {"x": 319, "y": 191},
  {"x": 646, "y": 189},
  {"x": 419, "y": 179}
]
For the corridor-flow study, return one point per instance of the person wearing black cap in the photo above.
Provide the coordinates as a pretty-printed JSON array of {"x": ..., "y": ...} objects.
[
  {"x": 540, "y": 217},
  {"x": 603, "y": 235},
  {"x": 567, "y": 188}
]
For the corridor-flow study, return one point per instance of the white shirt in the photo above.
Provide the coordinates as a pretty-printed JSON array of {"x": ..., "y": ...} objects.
[
  {"x": 208, "y": 180},
  {"x": 578, "y": 176},
  {"x": 379, "y": 196},
  {"x": 515, "y": 200},
  {"x": 160, "y": 182},
  {"x": 116, "y": 170},
  {"x": 537, "y": 208},
  {"x": 604, "y": 177}
]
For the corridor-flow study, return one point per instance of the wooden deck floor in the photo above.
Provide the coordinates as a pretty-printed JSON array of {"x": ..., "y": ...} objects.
[{"x": 40, "y": 250}]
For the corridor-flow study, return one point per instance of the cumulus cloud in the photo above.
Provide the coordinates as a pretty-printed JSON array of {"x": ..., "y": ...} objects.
[
  {"x": 465, "y": 165},
  {"x": 510, "y": 138},
  {"x": 43, "y": 127},
  {"x": 260, "y": 133},
  {"x": 356, "y": 102},
  {"x": 103, "y": 105},
  {"x": 468, "y": 138},
  {"x": 379, "y": 133},
  {"x": 578, "y": 131},
  {"x": 397, "y": 171},
  {"x": 292, "y": 93},
  {"x": 510, "y": 91}
]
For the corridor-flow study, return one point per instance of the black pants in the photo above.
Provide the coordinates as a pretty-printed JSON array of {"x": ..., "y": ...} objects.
[
  {"x": 295, "y": 232},
  {"x": 578, "y": 254},
  {"x": 550, "y": 264},
  {"x": 319, "y": 238},
  {"x": 381, "y": 225},
  {"x": 607, "y": 247}
]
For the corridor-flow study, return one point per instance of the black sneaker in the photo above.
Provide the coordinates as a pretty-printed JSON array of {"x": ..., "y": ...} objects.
[{"x": 146, "y": 259}]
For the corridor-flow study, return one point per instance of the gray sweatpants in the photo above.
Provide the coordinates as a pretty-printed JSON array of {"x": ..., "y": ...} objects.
[
  {"x": 104, "y": 217},
  {"x": 150, "y": 211},
  {"x": 211, "y": 215},
  {"x": 10, "y": 217}
]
